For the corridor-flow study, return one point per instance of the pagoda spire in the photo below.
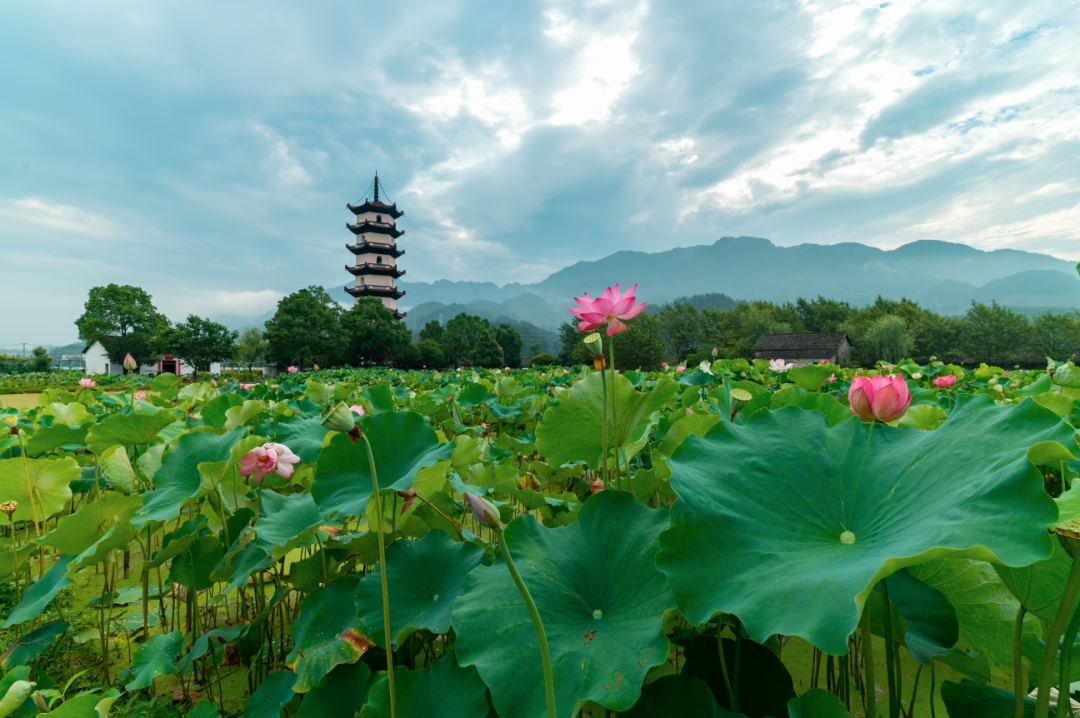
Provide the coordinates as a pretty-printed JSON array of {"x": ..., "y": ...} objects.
[{"x": 376, "y": 251}]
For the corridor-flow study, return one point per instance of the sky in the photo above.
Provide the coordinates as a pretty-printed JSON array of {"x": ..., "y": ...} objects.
[{"x": 205, "y": 151}]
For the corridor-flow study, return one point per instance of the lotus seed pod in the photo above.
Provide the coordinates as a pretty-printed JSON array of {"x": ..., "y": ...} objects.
[
  {"x": 595, "y": 343},
  {"x": 340, "y": 419}
]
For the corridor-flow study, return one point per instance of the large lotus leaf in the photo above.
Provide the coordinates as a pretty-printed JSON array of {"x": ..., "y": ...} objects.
[
  {"x": 127, "y": 430},
  {"x": 923, "y": 416},
  {"x": 402, "y": 444},
  {"x": 55, "y": 436},
  {"x": 827, "y": 404},
  {"x": 812, "y": 376},
  {"x": 423, "y": 578},
  {"x": 50, "y": 481},
  {"x": 788, "y": 524},
  {"x": 818, "y": 703},
  {"x": 275, "y": 691},
  {"x": 932, "y": 628},
  {"x": 9, "y": 564},
  {"x": 31, "y": 645},
  {"x": 118, "y": 472},
  {"x": 118, "y": 536},
  {"x": 213, "y": 413},
  {"x": 37, "y": 597},
  {"x": 193, "y": 567},
  {"x": 303, "y": 436},
  {"x": 202, "y": 645},
  {"x": 1067, "y": 375},
  {"x": 243, "y": 415},
  {"x": 342, "y": 692},
  {"x": 762, "y": 397},
  {"x": 599, "y": 595},
  {"x": 968, "y": 699},
  {"x": 79, "y": 531},
  {"x": 325, "y": 633},
  {"x": 204, "y": 709},
  {"x": 573, "y": 431},
  {"x": 1058, "y": 403},
  {"x": 156, "y": 657},
  {"x": 245, "y": 562},
  {"x": 178, "y": 479},
  {"x": 1040, "y": 585},
  {"x": 285, "y": 518},
  {"x": 675, "y": 695},
  {"x": 445, "y": 691},
  {"x": 765, "y": 686},
  {"x": 697, "y": 424},
  {"x": 70, "y": 414},
  {"x": 474, "y": 395}
]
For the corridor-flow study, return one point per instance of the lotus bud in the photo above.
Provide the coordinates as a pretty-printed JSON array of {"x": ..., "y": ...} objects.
[
  {"x": 16, "y": 695},
  {"x": 130, "y": 363},
  {"x": 715, "y": 351},
  {"x": 340, "y": 419},
  {"x": 739, "y": 399},
  {"x": 39, "y": 701},
  {"x": 484, "y": 511},
  {"x": 594, "y": 343}
]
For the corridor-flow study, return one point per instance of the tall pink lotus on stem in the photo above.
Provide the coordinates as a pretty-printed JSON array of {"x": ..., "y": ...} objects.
[
  {"x": 611, "y": 308},
  {"x": 945, "y": 382},
  {"x": 270, "y": 458},
  {"x": 879, "y": 398},
  {"x": 87, "y": 383},
  {"x": 129, "y": 362}
]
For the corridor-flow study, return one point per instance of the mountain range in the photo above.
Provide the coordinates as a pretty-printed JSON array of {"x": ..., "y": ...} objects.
[{"x": 941, "y": 276}]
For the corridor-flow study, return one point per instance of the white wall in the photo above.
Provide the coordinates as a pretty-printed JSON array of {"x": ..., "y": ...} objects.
[{"x": 97, "y": 361}]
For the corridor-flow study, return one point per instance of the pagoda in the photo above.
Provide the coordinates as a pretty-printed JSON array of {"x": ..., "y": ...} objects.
[{"x": 376, "y": 251}]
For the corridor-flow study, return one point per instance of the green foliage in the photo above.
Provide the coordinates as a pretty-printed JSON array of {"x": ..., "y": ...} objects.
[
  {"x": 305, "y": 328},
  {"x": 252, "y": 346},
  {"x": 198, "y": 342},
  {"x": 371, "y": 333},
  {"x": 116, "y": 311},
  {"x": 543, "y": 359},
  {"x": 509, "y": 342},
  {"x": 888, "y": 340}
]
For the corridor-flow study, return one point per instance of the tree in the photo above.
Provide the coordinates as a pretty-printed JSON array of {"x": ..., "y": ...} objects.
[
  {"x": 461, "y": 336},
  {"x": 543, "y": 359},
  {"x": 486, "y": 352},
  {"x": 889, "y": 339},
  {"x": 640, "y": 346},
  {"x": 199, "y": 342},
  {"x": 570, "y": 340},
  {"x": 994, "y": 332},
  {"x": 510, "y": 342},
  {"x": 41, "y": 361},
  {"x": 431, "y": 354},
  {"x": 125, "y": 315},
  {"x": 821, "y": 314},
  {"x": 252, "y": 346},
  {"x": 680, "y": 328},
  {"x": 371, "y": 334},
  {"x": 1055, "y": 335},
  {"x": 432, "y": 330},
  {"x": 307, "y": 325}
]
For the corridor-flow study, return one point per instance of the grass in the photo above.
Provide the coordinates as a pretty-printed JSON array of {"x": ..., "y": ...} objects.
[{"x": 18, "y": 401}]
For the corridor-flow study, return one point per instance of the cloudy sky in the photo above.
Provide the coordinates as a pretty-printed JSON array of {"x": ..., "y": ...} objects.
[{"x": 205, "y": 151}]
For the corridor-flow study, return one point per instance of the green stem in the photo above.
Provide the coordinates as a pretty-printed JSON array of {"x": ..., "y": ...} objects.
[
  {"x": 615, "y": 413},
  {"x": 1064, "y": 709},
  {"x": 1053, "y": 637},
  {"x": 603, "y": 455},
  {"x": 870, "y": 693},
  {"x": 382, "y": 575},
  {"x": 1018, "y": 663},
  {"x": 545, "y": 654},
  {"x": 890, "y": 668},
  {"x": 322, "y": 555},
  {"x": 723, "y": 659},
  {"x": 735, "y": 670}
]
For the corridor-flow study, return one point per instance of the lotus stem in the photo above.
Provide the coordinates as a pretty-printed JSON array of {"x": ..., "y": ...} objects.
[
  {"x": 603, "y": 455},
  {"x": 723, "y": 659},
  {"x": 735, "y": 670},
  {"x": 1053, "y": 637},
  {"x": 1064, "y": 705},
  {"x": 615, "y": 413},
  {"x": 1018, "y": 663},
  {"x": 545, "y": 654},
  {"x": 894, "y": 703},
  {"x": 382, "y": 575},
  {"x": 870, "y": 690}
]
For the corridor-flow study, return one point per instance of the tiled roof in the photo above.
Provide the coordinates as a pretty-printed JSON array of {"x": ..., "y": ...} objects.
[{"x": 806, "y": 343}]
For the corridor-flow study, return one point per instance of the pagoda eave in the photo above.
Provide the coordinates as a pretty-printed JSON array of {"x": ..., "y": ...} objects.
[
  {"x": 375, "y": 228},
  {"x": 375, "y": 291},
  {"x": 369, "y": 268},
  {"x": 376, "y": 207},
  {"x": 375, "y": 248}
]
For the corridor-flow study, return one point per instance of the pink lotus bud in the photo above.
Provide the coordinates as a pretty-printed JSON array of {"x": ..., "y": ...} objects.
[
  {"x": 879, "y": 398},
  {"x": 129, "y": 362},
  {"x": 316, "y": 367},
  {"x": 945, "y": 382},
  {"x": 689, "y": 410},
  {"x": 823, "y": 361},
  {"x": 715, "y": 351},
  {"x": 484, "y": 511}
]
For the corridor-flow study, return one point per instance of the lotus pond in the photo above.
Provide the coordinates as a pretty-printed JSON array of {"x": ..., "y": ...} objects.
[{"x": 728, "y": 540}]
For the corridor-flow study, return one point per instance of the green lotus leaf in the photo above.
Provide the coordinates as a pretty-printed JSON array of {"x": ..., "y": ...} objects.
[
  {"x": 675, "y": 695},
  {"x": 284, "y": 519},
  {"x": 213, "y": 413},
  {"x": 243, "y": 415},
  {"x": 1058, "y": 403},
  {"x": 826, "y": 404},
  {"x": 118, "y": 536},
  {"x": 204, "y": 709},
  {"x": 1067, "y": 375},
  {"x": 378, "y": 397},
  {"x": 127, "y": 430},
  {"x": 275, "y": 691},
  {"x": 164, "y": 382},
  {"x": 968, "y": 699},
  {"x": 37, "y": 597},
  {"x": 762, "y": 398},
  {"x": 303, "y": 436},
  {"x": 202, "y": 645},
  {"x": 248, "y": 560},
  {"x": 325, "y": 633},
  {"x": 933, "y": 628},
  {"x": 789, "y": 524},
  {"x": 156, "y": 657},
  {"x": 765, "y": 686},
  {"x": 79, "y": 531},
  {"x": 1040, "y": 585},
  {"x": 49, "y": 480},
  {"x": 573, "y": 431},
  {"x": 55, "y": 436},
  {"x": 178, "y": 479},
  {"x": 818, "y": 703},
  {"x": 70, "y": 414},
  {"x": 423, "y": 579},
  {"x": 118, "y": 471},
  {"x": 445, "y": 691},
  {"x": 696, "y": 378},
  {"x": 402, "y": 443},
  {"x": 812, "y": 376},
  {"x": 342, "y": 692},
  {"x": 475, "y": 394},
  {"x": 923, "y": 416},
  {"x": 82, "y": 706},
  {"x": 193, "y": 567},
  {"x": 1049, "y": 453},
  {"x": 30, "y": 646},
  {"x": 8, "y": 563},
  {"x": 600, "y": 597},
  {"x": 696, "y": 424}
]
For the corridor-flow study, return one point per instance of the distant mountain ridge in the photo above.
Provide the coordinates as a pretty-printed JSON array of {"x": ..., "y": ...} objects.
[{"x": 942, "y": 276}]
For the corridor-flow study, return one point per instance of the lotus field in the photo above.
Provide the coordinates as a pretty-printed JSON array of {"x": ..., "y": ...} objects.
[{"x": 739, "y": 538}]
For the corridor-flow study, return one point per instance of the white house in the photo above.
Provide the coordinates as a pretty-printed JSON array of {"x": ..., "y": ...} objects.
[{"x": 97, "y": 362}]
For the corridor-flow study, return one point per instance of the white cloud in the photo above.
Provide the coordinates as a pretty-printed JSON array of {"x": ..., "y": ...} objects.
[
  {"x": 192, "y": 300},
  {"x": 35, "y": 213}
]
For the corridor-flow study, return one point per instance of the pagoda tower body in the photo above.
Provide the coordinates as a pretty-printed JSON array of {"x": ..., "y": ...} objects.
[{"x": 376, "y": 269}]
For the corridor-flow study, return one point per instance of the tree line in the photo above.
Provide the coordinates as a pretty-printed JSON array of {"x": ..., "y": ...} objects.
[{"x": 884, "y": 330}]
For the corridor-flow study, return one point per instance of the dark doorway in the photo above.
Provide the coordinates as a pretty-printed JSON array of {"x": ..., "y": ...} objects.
[{"x": 168, "y": 366}]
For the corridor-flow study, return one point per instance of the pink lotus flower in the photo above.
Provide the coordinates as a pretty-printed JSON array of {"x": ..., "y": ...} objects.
[
  {"x": 357, "y": 409},
  {"x": 269, "y": 458},
  {"x": 664, "y": 365},
  {"x": 292, "y": 370},
  {"x": 689, "y": 410},
  {"x": 87, "y": 383},
  {"x": 879, "y": 398},
  {"x": 609, "y": 308},
  {"x": 831, "y": 379},
  {"x": 680, "y": 368},
  {"x": 140, "y": 395},
  {"x": 129, "y": 362},
  {"x": 715, "y": 351},
  {"x": 247, "y": 387},
  {"x": 779, "y": 365},
  {"x": 945, "y": 382},
  {"x": 823, "y": 361}
]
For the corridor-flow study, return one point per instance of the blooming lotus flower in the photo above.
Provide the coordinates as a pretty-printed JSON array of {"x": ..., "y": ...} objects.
[
  {"x": 269, "y": 458},
  {"x": 945, "y": 382},
  {"x": 879, "y": 398},
  {"x": 292, "y": 370},
  {"x": 680, "y": 368},
  {"x": 140, "y": 395},
  {"x": 831, "y": 379},
  {"x": 779, "y": 365},
  {"x": 129, "y": 362},
  {"x": 664, "y": 365},
  {"x": 609, "y": 308},
  {"x": 87, "y": 383},
  {"x": 917, "y": 375},
  {"x": 247, "y": 387},
  {"x": 357, "y": 409}
]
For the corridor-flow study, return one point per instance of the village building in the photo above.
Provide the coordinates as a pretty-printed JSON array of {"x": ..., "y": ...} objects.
[
  {"x": 801, "y": 348},
  {"x": 376, "y": 251},
  {"x": 96, "y": 361}
]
